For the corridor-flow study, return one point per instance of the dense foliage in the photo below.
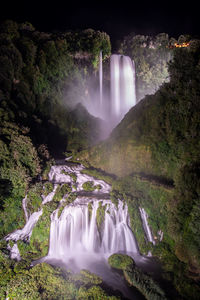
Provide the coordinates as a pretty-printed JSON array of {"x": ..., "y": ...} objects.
[
  {"x": 19, "y": 163},
  {"x": 135, "y": 277},
  {"x": 45, "y": 282}
]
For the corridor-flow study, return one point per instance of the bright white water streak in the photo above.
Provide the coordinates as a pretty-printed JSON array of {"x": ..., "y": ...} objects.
[
  {"x": 25, "y": 232},
  {"x": 115, "y": 84},
  {"x": 123, "y": 94},
  {"x": 146, "y": 227},
  {"x": 100, "y": 79}
]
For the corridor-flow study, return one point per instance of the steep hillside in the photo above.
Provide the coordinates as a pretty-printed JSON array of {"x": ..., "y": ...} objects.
[{"x": 43, "y": 76}]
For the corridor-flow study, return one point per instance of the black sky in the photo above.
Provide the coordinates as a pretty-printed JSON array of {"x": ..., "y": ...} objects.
[{"x": 117, "y": 19}]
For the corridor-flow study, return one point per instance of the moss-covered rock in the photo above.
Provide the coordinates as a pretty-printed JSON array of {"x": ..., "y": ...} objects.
[
  {"x": 61, "y": 191},
  {"x": 120, "y": 261},
  {"x": 100, "y": 215},
  {"x": 88, "y": 186},
  {"x": 47, "y": 188}
]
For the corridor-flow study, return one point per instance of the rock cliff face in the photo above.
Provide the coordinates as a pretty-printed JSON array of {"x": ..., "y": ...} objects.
[{"x": 155, "y": 153}]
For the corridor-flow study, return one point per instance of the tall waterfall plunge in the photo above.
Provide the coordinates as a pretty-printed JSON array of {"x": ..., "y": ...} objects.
[
  {"x": 112, "y": 96},
  {"x": 123, "y": 95}
]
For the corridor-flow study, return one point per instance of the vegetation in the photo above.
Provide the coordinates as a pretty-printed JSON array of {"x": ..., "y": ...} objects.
[
  {"x": 89, "y": 186},
  {"x": 45, "y": 282},
  {"x": 120, "y": 261},
  {"x": 100, "y": 215},
  {"x": 61, "y": 191},
  {"x": 47, "y": 188},
  {"x": 135, "y": 277},
  {"x": 151, "y": 55}
]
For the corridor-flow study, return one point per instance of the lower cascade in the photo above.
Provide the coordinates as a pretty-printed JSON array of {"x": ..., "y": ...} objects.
[
  {"x": 76, "y": 231},
  {"x": 83, "y": 232},
  {"x": 90, "y": 227}
]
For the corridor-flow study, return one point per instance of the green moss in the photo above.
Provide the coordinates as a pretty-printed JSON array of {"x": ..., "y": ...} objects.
[
  {"x": 94, "y": 292},
  {"x": 98, "y": 187},
  {"x": 114, "y": 196},
  {"x": 70, "y": 199},
  {"x": 85, "y": 277},
  {"x": 74, "y": 177},
  {"x": 39, "y": 241},
  {"x": 120, "y": 261},
  {"x": 34, "y": 198},
  {"x": 99, "y": 174},
  {"x": 100, "y": 215},
  {"x": 61, "y": 191},
  {"x": 25, "y": 250},
  {"x": 47, "y": 188},
  {"x": 60, "y": 210},
  {"x": 90, "y": 208},
  {"x": 88, "y": 186}
]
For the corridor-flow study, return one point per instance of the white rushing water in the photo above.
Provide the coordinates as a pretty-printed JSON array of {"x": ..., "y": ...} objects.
[
  {"x": 61, "y": 174},
  {"x": 146, "y": 227},
  {"x": 14, "y": 252},
  {"x": 25, "y": 232},
  {"x": 123, "y": 94},
  {"x": 75, "y": 232},
  {"x": 100, "y": 80}
]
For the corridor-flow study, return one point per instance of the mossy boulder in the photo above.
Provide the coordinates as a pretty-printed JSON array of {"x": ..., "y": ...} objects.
[
  {"x": 88, "y": 186},
  {"x": 120, "y": 261}
]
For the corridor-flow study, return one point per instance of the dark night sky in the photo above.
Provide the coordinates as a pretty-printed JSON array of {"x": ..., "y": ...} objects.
[{"x": 117, "y": 19}]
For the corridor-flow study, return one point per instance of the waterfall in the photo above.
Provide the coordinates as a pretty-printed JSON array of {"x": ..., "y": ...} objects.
[
  {"x": 123, "y": 95},
  {"x": 146, "y": 227},
  {"x": 100, "y": 80},
  {"x": 115, "y": 84},
  {"x": 26, "y": 231},
  {"x": 75, "y": 232}
]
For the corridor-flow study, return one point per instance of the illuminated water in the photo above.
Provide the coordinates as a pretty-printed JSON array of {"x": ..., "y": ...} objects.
[{"x": 123, "y": 95}]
